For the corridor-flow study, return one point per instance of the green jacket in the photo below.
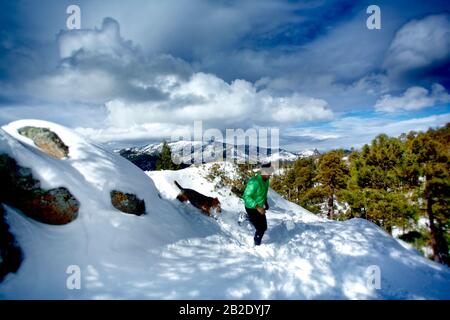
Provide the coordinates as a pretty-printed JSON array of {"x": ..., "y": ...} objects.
[{"x": 255, "y": 193}]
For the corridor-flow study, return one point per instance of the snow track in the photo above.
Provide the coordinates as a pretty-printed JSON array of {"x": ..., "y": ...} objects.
[{"x": 175, "y": 252}]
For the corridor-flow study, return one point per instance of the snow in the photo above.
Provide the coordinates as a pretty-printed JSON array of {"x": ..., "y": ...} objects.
[
  {"x": 213, "y": 150},
  {"x": 306, "y": 153},
  {"x": 175, "y": 252}
]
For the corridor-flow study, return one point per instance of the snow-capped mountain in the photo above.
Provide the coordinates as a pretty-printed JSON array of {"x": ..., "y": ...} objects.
[
  {"x": 210, "y": 151},
  {"x": 175, "y": 252}
]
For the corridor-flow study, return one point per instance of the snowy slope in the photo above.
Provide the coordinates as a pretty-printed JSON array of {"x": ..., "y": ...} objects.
[{"x": 174, "y": 252}]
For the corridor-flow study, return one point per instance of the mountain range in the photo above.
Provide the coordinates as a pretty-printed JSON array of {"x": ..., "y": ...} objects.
[{"x": 189, "y": 152}]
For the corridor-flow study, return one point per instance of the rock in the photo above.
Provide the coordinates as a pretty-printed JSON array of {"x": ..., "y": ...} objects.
[
  {"x": 11, "y": 255},
  {"x": 127, "y": 202},
  {"x": 19, "y": 189},
  {"x": 46, "y": 140}
]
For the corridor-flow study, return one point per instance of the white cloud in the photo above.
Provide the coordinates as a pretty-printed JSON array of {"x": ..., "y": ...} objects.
[
  {"x": 419, "y": 44},
  {"x": 349, "y": 132},
  {"x": 297, "y": 109},
  {"x": 105, "y": 41},
  {"x": 142, "y": 93},
  {"x": 414, "y": 98},
  {"x": 363, "y": 130},
  {"x": 136, "y": 133},
  {"x": 74, "y": 85},
  {"x": 310, "y": 134},
  {"x": 208, "y": 98}
]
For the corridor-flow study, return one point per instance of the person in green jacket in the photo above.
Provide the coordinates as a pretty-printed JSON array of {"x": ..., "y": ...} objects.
[{"x": 255, "y": 200}]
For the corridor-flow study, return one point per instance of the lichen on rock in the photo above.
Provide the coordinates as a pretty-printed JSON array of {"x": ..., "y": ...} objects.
[
  {"x": 46, "y": 140},
  {"x": 19, "y": 189},
  {"x": 127, "y": 202}
]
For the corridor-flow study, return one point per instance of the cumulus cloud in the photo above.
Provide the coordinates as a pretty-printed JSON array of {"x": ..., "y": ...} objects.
[
  {"x": 138, "y": 91},
  {"x": 312, "y": 135},
  {"x": 154, "y": 131},
  {"x": 99, "y": 65},
  {"x": 208, "y": 98},
  {"x": 297, "y": 109},
  {"x": 263, "y": 63},
  {"x": 413, "y": 98},
  {"x": 103, "y": 41},
  {"x": 420, "y": 44}
]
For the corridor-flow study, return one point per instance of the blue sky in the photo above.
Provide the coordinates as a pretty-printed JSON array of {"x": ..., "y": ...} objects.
[{"x": 142, "y": 71}]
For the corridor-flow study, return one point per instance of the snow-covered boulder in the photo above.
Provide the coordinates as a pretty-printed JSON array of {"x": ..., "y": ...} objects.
[
  {"x": 101, "y": 236},
  {"x": 10, "y": 252},
  {"x": 46, "y": 140},
  {"x": 19, "y": 189},
  {"x": 64, "y": 168},
  {"x": 127, "y": 203}
]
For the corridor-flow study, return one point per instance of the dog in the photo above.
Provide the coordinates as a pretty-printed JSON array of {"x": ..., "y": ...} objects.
[{"x": 198, "y": 200}]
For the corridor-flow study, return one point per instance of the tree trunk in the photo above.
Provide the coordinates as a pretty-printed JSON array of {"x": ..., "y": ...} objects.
[
  {"x": 389, "y": 226},
  {"x": 330, "y": 206},
  {"x": 438, "y": 242},
  {"x": 433, "y": 231}
]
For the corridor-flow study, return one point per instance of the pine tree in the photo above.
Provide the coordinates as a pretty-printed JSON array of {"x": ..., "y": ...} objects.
[
  {"x": 379, "y": 188},
  {"x": 164, "y": 161},
  {"x": 332, "y": 174},
  {"x": 431, "y": 152},
  {"x": 297, "y": 184},
  {"x": 389, "y": 182}
]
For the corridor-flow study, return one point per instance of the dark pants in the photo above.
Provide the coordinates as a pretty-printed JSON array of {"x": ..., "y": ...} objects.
[{"x": 259, "y": 222}]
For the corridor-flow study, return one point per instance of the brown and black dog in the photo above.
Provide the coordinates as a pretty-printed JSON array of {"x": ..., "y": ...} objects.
[{"x": 198, "y": 200}]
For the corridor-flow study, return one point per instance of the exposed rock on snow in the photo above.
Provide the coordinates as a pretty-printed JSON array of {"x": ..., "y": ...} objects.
[
  {"x": 46, "y": 140},
  {"x": 19, "y": 189},
  {"x": 10, "y": 252},
  {"x": 127, "y": 202}
]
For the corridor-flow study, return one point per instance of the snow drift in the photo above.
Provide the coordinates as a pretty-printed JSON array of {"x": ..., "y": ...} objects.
[{"x": 175, "y": 252}]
